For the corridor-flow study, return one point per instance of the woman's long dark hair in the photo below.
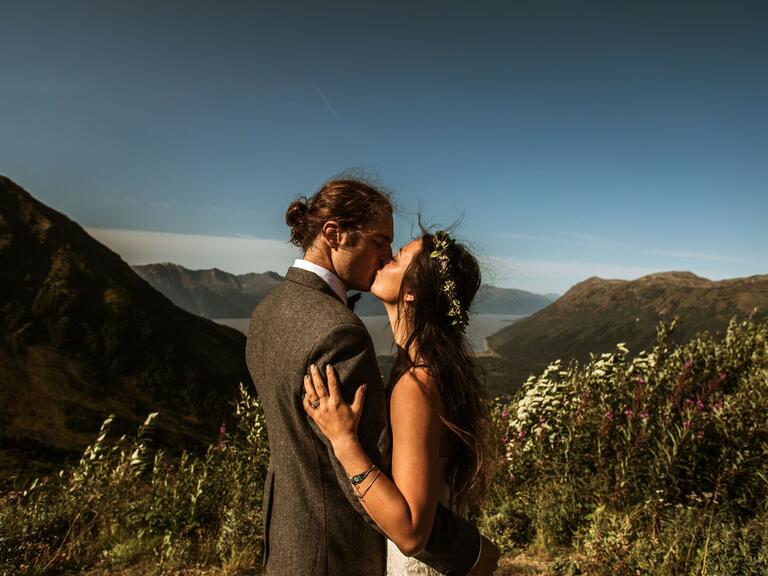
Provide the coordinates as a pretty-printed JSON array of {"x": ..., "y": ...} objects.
[{"x": 443, "y": 350}]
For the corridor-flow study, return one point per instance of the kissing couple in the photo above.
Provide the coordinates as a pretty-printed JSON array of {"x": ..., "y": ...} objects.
[{"x": 368, "y": 479}]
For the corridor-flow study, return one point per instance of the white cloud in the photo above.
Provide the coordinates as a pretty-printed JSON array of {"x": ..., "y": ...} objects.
[{"x": 235, "y": 254}]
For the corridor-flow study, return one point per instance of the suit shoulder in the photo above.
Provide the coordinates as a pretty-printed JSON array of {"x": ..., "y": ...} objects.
[{"x": 291, "y": 300}]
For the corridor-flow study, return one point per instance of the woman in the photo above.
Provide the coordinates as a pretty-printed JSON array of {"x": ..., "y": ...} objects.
[{"x": 440, "y": 422}]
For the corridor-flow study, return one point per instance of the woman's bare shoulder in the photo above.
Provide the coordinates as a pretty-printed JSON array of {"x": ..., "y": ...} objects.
[{"x": 417, "y": 385}]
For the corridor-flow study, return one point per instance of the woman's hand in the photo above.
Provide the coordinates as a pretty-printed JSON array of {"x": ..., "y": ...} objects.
[{"x": 336, "y": 419}]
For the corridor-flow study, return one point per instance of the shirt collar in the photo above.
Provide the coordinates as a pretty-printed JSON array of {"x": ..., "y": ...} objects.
[{"x": 329, "y": 277}]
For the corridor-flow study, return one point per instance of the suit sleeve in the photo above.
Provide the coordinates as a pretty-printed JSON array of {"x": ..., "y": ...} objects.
[
  {"x": 454, "y": 543},
  {"x": 348, "y": 349}
]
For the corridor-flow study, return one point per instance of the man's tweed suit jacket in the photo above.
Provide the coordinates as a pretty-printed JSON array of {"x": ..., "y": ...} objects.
[{"x": 313, "y": 523}]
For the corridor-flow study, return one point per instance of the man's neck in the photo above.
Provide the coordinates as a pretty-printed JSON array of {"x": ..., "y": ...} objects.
[
  {"x": 319, "y": 259},
  {"x": 329, "y": 276}
]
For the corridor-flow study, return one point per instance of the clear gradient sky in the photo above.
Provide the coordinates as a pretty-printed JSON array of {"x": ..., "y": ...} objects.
[{"x": 577, "y": 138}]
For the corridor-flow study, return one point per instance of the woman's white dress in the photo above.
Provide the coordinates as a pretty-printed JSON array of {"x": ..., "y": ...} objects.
[{"x": 398, "y": 564}]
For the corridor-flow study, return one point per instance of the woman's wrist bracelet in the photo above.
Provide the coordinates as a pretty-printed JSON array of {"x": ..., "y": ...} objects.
[
  {"x": 360, "y": 496},
  {"x": 358, "y": 478}
]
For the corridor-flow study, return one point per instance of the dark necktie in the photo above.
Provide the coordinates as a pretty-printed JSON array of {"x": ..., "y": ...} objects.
[{"x": 352, "y": 300}]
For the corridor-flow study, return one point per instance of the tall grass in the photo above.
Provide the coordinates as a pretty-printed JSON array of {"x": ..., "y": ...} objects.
[
  {"x": 655, "y": 463},
  {"x": 125, "y": 504}
]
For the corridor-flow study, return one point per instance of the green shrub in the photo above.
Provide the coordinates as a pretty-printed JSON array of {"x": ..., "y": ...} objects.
[{"x": 652, "y": 463}]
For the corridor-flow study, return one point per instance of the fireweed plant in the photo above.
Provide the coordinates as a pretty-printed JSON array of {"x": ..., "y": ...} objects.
[{"x": 653, "y": 463}]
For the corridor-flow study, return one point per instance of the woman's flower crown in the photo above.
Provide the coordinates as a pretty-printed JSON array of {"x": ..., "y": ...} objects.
[{"x": 442, "y": 243}]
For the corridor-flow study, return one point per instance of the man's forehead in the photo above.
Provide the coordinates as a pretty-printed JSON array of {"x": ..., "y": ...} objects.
[
  {"x": 381, "y": 235},
  {"x": 383, "y": 228}
]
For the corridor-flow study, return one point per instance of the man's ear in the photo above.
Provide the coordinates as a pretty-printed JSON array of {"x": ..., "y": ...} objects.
[{"x": 331, "y": 233}]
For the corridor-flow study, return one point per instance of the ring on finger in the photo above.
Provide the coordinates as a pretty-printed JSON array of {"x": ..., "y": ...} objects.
[{"x": 315, "y": 404}]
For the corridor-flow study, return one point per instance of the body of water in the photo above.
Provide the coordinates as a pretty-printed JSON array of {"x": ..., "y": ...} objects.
[{"x": 480, "y": 327}]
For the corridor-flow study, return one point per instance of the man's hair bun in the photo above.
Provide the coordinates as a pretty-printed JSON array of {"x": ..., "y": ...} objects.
[{"x": 296, "y": 218}]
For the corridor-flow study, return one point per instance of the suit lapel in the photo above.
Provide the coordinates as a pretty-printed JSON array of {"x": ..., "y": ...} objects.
[{"x": 311, "y": 280}]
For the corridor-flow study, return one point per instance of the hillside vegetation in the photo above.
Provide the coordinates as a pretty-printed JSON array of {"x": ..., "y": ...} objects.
[
  {"x": 649, "y": 462},
  {"x": 82, "y": 336}
]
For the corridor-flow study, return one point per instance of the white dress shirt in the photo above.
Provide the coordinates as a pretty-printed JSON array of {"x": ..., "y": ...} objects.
[{"x": 329, "y": 277}]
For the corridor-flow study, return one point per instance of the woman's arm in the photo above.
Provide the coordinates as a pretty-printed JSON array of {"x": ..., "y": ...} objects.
[{"x": 405, "y": 508}]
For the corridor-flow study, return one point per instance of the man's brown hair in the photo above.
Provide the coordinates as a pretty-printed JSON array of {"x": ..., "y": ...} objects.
[{"x": 350, "y": 202}]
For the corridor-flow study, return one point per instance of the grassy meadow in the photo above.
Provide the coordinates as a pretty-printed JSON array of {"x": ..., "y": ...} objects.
[{"x": 635, "y": 462}]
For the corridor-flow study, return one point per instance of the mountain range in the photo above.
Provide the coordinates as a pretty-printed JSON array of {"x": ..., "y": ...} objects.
[
  {"x": 82, "y": 336},
  {"x": 214, "y": 293},
  {"x": 594, "y": 315}
]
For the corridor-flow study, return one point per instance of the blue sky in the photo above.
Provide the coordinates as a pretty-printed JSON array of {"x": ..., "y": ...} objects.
[{"x": 576, "y": 138}]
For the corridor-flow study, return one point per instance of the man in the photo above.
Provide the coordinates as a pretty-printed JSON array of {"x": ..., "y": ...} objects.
[{"x": 313, "y": 523}]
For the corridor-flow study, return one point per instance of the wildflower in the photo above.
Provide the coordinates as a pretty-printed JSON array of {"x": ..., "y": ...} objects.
[
  {"x": 688, "y": 365},
  {"x": 608, "y": 416},
  {"x": 641, "y": 381},
  {"x": 628, "y": 412},
  {"x": 700, "y": 434},
  {"x": 700, "y": 405},
  {"x": 688, "y": 402},
  {"x": 521, "y": 435},
  {"x": 221, "y": 444},
  {"x": 686, "y": 424},
  {"x": 504, "y": 414},
  {"x": 644, "y": 415}
]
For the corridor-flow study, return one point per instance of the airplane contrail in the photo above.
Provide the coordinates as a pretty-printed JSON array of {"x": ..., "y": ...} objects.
[{"x": 325, "y": 100}]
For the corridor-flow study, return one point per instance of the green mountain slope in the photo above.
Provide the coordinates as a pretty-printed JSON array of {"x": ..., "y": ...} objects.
[
  {"x": 596, "y": 314},
  {"x": 82, "y": 336}
]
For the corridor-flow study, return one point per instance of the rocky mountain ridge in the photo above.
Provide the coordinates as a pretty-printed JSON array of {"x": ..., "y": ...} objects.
[{"x": 213, "y": 293}]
